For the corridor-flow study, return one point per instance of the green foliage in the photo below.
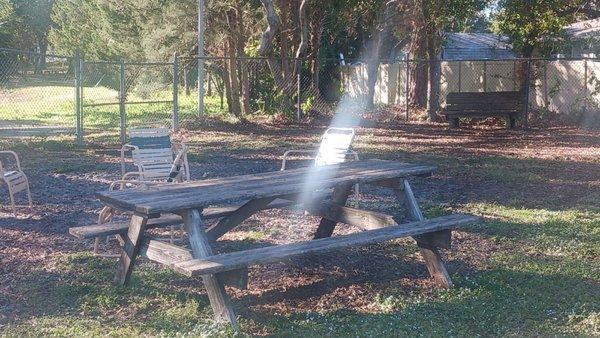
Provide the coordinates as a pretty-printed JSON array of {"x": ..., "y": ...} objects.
[{"x": 533, "y": 24}]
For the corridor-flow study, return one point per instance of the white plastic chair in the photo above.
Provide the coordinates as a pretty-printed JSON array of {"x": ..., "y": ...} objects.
[
  {"x": 156, "y": 159},
  {"x": 155, "y": 156},
  {"x": 335, "y": 148},
  {"x": 15, "y": 180}
]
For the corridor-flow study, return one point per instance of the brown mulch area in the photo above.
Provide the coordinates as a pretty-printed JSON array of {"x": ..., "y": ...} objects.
[{"x": 565, "y": 162}]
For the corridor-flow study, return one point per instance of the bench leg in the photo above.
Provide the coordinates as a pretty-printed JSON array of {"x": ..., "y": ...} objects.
[
  {"x": 511, "y": 122},
  {"x": 201, "y": 248},
  {"x": 454, "y": 122},
  {"x": 431, "y": 255},
  {"x": 131, "y": 248},
  {"x": 339, "y": 197}
]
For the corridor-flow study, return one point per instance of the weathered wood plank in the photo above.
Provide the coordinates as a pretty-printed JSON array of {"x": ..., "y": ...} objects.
[
  {"x": 131, "y": 247},
  {"x": 235, "y": 260},
  {"x": 169, "y": 254},
  {"x": 339, "y": 197},
  {"x": 219, "y": 300},
  {"x": 166, "y": 198},
  {"x": 440, "y": 239},
  {"x": 120, "y": 227},
  {"x": 366, "y": 220},
  {"x": 431, "y": 255}
]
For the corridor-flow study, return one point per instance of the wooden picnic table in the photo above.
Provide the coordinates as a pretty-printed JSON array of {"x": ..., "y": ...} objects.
[{"x": 188, "y": 200}]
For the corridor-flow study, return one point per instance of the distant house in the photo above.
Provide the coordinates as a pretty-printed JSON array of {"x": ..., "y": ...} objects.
[
  {"x": 584, "y": 38},
  {"x": 476, "y": 46}
]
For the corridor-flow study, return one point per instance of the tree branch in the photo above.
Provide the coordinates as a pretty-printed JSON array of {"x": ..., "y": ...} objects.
[{"x": 266, "y": 40}]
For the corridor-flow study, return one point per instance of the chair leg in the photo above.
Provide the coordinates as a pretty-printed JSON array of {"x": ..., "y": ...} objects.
[
  {"x": 96, "y": 244},
  {"x": 12, "y": 201}
]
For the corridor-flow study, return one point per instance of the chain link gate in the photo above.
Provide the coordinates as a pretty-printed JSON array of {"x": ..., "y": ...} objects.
[{"x": 113, "y": 96}]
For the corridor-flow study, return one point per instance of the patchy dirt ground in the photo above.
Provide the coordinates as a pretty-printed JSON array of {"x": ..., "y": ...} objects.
[{"x": 551, "y": 170}]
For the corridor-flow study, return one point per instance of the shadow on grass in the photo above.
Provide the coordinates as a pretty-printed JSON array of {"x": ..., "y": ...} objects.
[{"x": 496, "y": 302}]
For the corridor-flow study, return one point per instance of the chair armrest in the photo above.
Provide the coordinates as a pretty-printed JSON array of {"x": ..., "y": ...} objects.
[
  {"x": 124, "y": 148},
  {"x": 16, "y": 157},
  {"x": 296, "y": 151}
]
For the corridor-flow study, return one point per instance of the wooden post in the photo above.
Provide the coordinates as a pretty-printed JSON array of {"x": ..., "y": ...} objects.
[
  {"x": 339, "y": 197},
  {"x": 201, "y": 248},
  {"x": 431, "y": 256},
  {"x": 131, "y": 248}
]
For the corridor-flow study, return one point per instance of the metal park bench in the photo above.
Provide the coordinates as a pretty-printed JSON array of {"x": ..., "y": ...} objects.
[{"x": 190, "y": 202}]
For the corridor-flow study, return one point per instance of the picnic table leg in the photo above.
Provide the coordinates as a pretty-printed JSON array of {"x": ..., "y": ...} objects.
[
  {"x": 431, "y": 255},
  {"x": 201, "y": 248},
  {"x": 339, "y": 197},
  {"x": 131, "y": 248}
]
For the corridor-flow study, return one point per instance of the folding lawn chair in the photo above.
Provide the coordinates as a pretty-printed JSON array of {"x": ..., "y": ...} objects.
[
  {"x": 335, "y": 148},
  {"x": 15, "y": 180},
  {"x": 156, "y": 159}
]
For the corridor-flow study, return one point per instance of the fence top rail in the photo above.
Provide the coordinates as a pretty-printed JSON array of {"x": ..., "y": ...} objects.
[
  {"x": 19, "y": 51},
  {"x": 348, "y": 61}
]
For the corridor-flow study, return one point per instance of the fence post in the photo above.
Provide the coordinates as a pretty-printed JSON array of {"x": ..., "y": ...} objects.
[
  {"x": 527, "y": 89},
  {"x": 175, "y": 92},
  {"x": 484, "y": 76},
  {"x": 77, "y": 67},
  {"x": 459, "y": 76},
  {"x": 406, "y": 99},
  {"x": 298, "y": 89},
  {"x": 123, "y": 122}
]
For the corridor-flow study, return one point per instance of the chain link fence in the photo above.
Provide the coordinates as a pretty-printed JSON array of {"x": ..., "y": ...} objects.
[
  {"x": 74, "y": 96},
  {"x": 36, "y": 93}
]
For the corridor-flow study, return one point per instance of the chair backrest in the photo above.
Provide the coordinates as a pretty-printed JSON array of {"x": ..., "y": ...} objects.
[
  {"x": 335, "y": 144},
  {"x": 153, "y": 154},
  {"x": 150, "y": 138},
  {"x": 6, "y": 154}
]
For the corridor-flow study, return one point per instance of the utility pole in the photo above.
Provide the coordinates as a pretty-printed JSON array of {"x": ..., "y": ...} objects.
[{"x": 200, "y": 57}]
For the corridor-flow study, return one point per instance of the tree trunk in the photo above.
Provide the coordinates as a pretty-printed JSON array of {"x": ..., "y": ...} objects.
[
  {"x": 433, "y": 97},
  {"x": 316, "y": 27},
  {"x": 384, "y": 20},
  {"x": 40, "y": 65},
  {"x": 234, "y": 92},
  {"x": 241, "y": 43},
  {"x": 418, "y": 80},
  {"x": 232, "y": 65}
]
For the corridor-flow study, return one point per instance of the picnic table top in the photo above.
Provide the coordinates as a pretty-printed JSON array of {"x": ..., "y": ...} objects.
[{"x": 169, "y": 197}]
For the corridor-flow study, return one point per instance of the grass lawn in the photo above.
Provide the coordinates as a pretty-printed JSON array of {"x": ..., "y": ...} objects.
[
  {"x": 531, "y": 269},
  {"x": 47, "y": 105}
]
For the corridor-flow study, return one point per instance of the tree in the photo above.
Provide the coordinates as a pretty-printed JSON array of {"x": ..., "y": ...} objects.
[
  {"x": 35, "y": 18},
  {"x": 6, "y": 24},
  {"x": 534, "y": 25}
]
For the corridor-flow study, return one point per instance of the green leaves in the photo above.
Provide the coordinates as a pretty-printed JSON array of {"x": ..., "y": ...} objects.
[{"x": 534, "y": 24}]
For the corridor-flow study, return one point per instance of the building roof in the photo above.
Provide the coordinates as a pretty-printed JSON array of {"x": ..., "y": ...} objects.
[
  {"x": 476, "y": 46},
  {"x": 583, "y": 29}
]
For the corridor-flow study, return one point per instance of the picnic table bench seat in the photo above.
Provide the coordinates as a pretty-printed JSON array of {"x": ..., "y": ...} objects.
[
  {"x": 120, "y": 227},
  {"x": 507, "y": 104},
  {"x": 240, "y": 259}
]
